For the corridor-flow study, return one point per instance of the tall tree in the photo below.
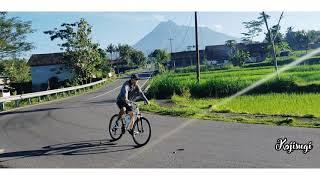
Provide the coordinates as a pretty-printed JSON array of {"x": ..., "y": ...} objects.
[
  {"x": 111, "y": 49},
  {"x": 138, "y": 57},
  {"x": 13, "y": 33},
  {"x": 84, "y": 55},
  {"x": 159, "y": 57},
  {"x": 254, "y": 28},
  {"x": 124, "y": 53}
]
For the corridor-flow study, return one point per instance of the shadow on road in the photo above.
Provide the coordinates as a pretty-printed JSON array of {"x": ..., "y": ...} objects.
[
  {"x": 69, "y": 149},
  {"x": 55, "y": 108}
]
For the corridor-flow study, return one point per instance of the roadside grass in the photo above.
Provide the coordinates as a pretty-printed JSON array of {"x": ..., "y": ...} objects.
[
  {"x": 282, "y": 104},
  {"x": 298, "y": 110},
  {"x": 222, "y": 83}
]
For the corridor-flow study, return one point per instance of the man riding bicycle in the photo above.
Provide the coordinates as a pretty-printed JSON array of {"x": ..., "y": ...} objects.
[{"x": 129, "y": 90}]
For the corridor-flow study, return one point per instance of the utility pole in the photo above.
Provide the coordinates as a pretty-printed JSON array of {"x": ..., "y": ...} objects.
[
  {"x": 271, "y": 39},
  {"x": 174, "y": 62},
  {"x": 197, "y": 48}
]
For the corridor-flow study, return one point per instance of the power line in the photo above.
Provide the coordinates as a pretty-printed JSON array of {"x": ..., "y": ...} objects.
[{"x": 188, "y": 27}]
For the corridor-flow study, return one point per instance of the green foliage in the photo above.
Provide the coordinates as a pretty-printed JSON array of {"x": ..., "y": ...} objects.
[
  {"x": 84, "y": 55},
  {"x": 298, "y": 40},
  {"x": 125, "y": 52},
  {"x": 130, "y": 55},
  {"x": 239, "y": 57},
  {"x": 13, "y": 33},
  {"x": 17, "y": 69},
  {"x": 222, "y": 83},
  {"x": 160, "y": 56},
  {"x": 254, "y": 29},
  {"x": 138, "y": 58},
  {"x": 111, "y": 49}
]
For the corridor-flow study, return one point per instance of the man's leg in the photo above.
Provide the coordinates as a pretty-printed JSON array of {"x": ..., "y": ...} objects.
[
  {"x": 132, "y": 120},
  {"x": 122, "y": 112}
]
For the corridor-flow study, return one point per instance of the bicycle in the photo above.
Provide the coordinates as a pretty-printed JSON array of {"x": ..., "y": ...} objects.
[{"x": 141, "y": 126}]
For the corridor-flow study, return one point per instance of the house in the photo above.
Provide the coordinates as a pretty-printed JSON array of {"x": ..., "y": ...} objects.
[
  {"x": 48, "y": 66},
  {"x": 217, "y": 54},
  {"x": 220, "y": 54},
  {"x": 185, "y": 58},
  {"x": 258, "y": 51}
]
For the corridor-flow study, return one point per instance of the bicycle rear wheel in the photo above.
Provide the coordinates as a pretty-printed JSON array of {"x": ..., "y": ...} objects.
[
  {"x": 116, "y": 127},
  {"x": 141, "y": 131}
]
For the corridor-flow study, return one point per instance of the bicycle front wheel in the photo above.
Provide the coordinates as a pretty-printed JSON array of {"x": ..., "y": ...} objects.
[{"x": 141, "y": 131}]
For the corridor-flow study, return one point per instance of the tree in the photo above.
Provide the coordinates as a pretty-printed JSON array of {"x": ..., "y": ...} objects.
[
  {"x": 84, "y": 55},
  {"x": 160, "y": 57},
  {"x": 254, "y": 28},
  {"x": 110, "y": 49},
  {"x": 272, "y": 35},
  {"x": 138, "y": 58},
  {"x": 277, "y": 38},
  {"x": 303, "y": 39},
  {"x": 124, "y": 53},
  {"x": 17, "y": 69},
  {"x": 239, "y": 57},
  {"x": 13, "y": 33},
  {"x": 299, "y": 40},
  {"x": 232, "y": 45}
]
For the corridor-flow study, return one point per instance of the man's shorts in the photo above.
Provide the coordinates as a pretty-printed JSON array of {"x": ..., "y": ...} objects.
[{"x": 122, "y": 104}]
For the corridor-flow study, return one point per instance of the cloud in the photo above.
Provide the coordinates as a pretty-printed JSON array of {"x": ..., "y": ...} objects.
[
  {"x": 140, "y": 17},
  {"x": 218, "y": 27},
  {"x": 159, "y": 18}
]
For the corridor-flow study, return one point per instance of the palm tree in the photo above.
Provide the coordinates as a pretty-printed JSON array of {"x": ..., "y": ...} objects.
[{"x": 110, "y": 49}]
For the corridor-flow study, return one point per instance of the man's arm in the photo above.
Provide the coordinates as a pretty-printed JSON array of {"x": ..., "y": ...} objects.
[{"x": 126, "y": 94}]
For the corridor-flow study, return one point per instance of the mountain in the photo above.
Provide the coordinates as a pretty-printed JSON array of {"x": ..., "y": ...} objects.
[{"x": 183, "y": 36}]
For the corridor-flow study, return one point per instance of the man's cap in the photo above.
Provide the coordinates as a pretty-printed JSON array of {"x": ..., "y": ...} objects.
[{"x": 135, "y": 77}]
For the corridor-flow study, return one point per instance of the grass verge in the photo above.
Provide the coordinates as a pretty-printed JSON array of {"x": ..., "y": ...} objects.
[{"x": 203, "y": 109}]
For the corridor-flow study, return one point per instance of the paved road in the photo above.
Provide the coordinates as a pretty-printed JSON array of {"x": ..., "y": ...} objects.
[{"x": 72, "y": 134}]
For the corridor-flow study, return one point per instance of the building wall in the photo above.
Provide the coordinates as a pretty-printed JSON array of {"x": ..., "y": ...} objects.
[
  {"x": 185, "y": 58},
  {"x": 41, "y": 74},
  {"x": 221, "y": 53},
  {"x": 218, "y": 53}
]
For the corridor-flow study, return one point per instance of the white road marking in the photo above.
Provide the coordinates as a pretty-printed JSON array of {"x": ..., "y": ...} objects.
[{"x": 105, "y": 93}]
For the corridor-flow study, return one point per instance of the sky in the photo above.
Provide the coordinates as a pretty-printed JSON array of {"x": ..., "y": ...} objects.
[{"x": 130, "y": 27}]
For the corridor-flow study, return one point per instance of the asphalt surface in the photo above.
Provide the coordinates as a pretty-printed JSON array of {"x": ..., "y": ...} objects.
[{"x": 72, "y": 134}]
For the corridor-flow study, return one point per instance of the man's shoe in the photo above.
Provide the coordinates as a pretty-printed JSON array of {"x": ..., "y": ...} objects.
[{"x": 130, "y": 131}]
